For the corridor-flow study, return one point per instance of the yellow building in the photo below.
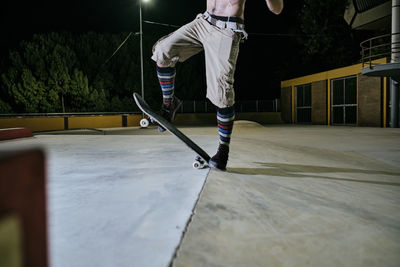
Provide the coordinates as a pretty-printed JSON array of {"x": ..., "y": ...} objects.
[{"x": 341, "y": 96}]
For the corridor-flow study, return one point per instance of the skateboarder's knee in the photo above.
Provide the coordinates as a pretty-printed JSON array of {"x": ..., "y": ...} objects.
[{"x": 160, "y": 65}]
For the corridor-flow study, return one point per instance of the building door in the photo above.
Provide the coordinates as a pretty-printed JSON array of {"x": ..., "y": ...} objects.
[
  {"x": 303, "y": 109},
  {"x": 344, "y": 101}
]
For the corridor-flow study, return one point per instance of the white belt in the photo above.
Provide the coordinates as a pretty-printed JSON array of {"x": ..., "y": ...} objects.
[{"x": 236, "y": 27}]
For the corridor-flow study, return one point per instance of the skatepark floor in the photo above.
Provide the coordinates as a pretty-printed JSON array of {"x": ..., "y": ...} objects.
[{"x": 292, "y": 196}]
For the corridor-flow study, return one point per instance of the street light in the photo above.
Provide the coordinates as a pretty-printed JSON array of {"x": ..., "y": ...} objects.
[
  {"x": 141, "y": 45},
  {"x": 144, "y": 122}
]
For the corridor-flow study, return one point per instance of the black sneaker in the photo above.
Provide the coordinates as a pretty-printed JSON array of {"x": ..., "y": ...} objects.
[
  {"x": 168, "y": 111},
  {"x": 219, "y": 160}
]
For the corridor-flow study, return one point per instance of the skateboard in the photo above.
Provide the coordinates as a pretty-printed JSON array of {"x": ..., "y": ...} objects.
[{"x": 202, "y": 159}]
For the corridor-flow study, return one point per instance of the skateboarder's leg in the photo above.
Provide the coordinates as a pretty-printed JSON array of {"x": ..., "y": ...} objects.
[
  {"x": 173, "y": 48},
  {"x": 171, "y": 104},
  {"x": 221, "y": 55},
  {"x": 166, "y": 77},
  {"x": 225, "y": 119}
]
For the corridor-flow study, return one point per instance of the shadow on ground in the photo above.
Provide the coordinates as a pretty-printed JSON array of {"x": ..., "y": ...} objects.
[{"x": 309, "y": 171}]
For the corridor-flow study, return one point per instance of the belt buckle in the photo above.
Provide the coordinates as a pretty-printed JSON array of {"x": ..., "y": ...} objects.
[
  {"x": 232, "y": 25},
  {"x": 220, "y": 24}
]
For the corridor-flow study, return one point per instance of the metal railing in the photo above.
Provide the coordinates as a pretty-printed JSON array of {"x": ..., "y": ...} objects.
[
  {"x": 203, "y": 106},
  {"x": 379, "y": 47},
  {"x": 188, "y": 106},
  {"x": 67, "y": 114}
]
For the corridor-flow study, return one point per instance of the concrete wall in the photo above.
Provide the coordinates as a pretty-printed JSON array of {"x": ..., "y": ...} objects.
[
  {"x": 369, "y": 101},
  {"x": 286, "y": 104},
  {"x": 95, "y": 122},
  {"x": 319, "y": 102},
  {"x": 36, "y": 124}
]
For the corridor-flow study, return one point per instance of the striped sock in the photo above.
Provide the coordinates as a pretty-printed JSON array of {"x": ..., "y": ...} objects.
[
  {"x": 166, "y": 76},
  {"x": 225, "y": 119}
]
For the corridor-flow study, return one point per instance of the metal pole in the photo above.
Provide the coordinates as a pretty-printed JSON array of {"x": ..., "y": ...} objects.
[
  {"x": 395, "y": 31},
  {"x": 141, "y": 48},
  {"x": 395, "y": 58},
  {"x": 370, "y": 53},
  {"x": 394, "y": 99},
  {"x": 62, "y": 103}
]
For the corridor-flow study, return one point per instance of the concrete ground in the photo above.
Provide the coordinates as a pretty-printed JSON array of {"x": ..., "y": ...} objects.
[
  {"x": 292, "y": 196},
  {"x": 300, "y": 196},
  {"x": 116, "y": 200}
]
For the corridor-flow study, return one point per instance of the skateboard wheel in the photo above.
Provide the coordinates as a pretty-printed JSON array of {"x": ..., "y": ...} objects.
[
  {"x": 197, "y": 165},
  {"x": 144, "y": 123}
]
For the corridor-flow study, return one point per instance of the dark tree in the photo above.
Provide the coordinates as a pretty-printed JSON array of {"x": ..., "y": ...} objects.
[{"x": 327, "y": 40}]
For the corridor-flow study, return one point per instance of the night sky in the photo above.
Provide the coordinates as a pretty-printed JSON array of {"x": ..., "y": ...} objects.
[
  {"x": 119, "y": 15},
  {"x": 21, "y": 18}
]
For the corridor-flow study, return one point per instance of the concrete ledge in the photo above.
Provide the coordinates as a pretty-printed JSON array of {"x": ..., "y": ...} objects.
[
  {"x": 34, "y": 124},
  {"x": 14, "y": 133},
  {"x": 94, "y": 122},
  {"x": 38, "y": 124}
]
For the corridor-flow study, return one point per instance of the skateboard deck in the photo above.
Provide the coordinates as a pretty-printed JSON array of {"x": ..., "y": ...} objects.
[{"x": 202, "y": 159}]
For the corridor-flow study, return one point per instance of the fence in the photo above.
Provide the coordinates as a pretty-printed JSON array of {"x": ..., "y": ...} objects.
[
  {"x": 188, "y": 106},
  {"x": 240, "y": 106}
]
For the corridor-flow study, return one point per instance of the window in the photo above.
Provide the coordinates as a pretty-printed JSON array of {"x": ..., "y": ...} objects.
[
  {"x": 303, "y": 103},
  {"x": 344, "y": 101}
]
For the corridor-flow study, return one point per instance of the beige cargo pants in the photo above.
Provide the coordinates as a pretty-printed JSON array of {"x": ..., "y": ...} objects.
[{"x": 221, "y": 48}]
